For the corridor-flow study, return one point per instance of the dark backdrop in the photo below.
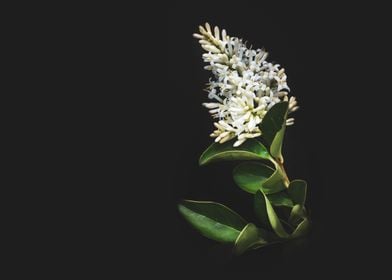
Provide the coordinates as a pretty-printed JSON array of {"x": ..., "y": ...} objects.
[
  {"x": 133, "y": 129},
  {"x": 334, "y": 59}
]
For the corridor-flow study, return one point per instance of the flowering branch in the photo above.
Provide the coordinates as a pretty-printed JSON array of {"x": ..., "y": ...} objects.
[{"x": 249, "y": 100}]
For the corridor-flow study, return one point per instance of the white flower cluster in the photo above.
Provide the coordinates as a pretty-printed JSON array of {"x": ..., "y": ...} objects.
[{"x": 245, "y": 86}]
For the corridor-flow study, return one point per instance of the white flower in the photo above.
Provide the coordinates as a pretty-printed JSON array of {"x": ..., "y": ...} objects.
[{"x": 243, "y": 88}]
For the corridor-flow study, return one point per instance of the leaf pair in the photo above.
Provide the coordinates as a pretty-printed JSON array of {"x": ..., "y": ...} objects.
[
  {"x": 251, "y": 176},
  {"x": 218, "y": 222},
  {"x": 269, "y": 218}
]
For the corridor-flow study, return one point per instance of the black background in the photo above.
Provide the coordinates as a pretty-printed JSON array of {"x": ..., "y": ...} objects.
[
  {"x": 121, "y": 143},
  {"x": 146, "y": 129},
  {"x": 334, "y": 59}
]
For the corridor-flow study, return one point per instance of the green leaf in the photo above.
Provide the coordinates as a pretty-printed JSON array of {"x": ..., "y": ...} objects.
[
  {"x": 297, "y": 214},
  {"x": 260, "y": 209},
  {"x": 280, "y": 199},
  {"x": 248, "y": 238},
  {"x": 213, "y": 220},
  {"x": 297, "y": 191},
  {"x": 250, "y": 175},
  {"x": 276, "y": 146},
  {"x": 275, "y": 183},
  {"x": 266, "y": 213},
  {"x": 302, "y": 229},
  {"x": 250, "y": 150},
  {"x": 273, "y": 122}
]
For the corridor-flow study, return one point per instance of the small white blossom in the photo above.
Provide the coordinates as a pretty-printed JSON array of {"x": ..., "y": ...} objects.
[{"x": 243, "y": 88}]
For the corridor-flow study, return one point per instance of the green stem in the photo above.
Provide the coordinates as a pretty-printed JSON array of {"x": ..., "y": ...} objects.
[
  {"x": 286, "y": 178},
  {"x": 279, "y": 164}
]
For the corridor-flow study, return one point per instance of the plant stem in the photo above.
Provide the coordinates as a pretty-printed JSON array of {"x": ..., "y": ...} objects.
[
  {"x": 286, "y": 178},
  {"x": 279, "y": 164}
]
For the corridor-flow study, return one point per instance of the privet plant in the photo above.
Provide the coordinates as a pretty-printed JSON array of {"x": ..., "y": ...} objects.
[{"x": 249, "y": 101}]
